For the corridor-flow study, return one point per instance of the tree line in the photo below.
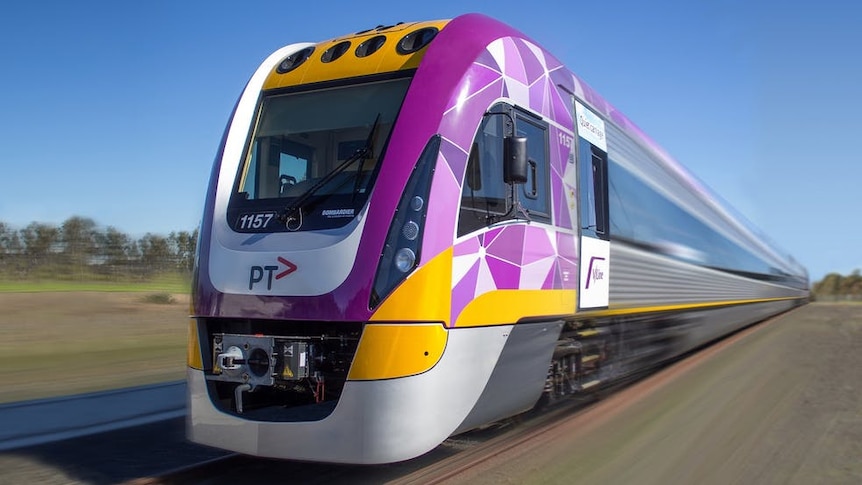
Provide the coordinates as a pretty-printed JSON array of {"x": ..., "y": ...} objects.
[
  {"x": 79, "y": 249},
  {"x": 835, "y": 287}
]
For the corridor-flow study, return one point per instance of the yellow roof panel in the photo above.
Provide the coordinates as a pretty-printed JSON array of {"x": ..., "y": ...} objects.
[{"x": 385, "y": 59}]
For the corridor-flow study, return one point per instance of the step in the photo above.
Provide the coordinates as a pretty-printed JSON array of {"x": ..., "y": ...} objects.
[
  {"x": 590, "y": 384},
  {"x": 589, "y": 358}
]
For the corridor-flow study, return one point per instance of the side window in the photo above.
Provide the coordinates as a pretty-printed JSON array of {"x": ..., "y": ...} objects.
[{"x": 533, "y": 195}]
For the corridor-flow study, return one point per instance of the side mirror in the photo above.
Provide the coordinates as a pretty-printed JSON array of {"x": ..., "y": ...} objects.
[{"x": 515, "y": 160}]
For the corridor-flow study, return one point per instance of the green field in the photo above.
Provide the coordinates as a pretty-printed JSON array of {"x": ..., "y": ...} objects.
[
  {"x": 170, "y": 283},
  {"x": 64, "y": 338}
]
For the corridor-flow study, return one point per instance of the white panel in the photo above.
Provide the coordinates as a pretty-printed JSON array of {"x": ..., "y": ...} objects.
[
  {"x": 595, "y": 273},
  {"x": 591, "y": 127},
  {"x": 258, "y": 270}
]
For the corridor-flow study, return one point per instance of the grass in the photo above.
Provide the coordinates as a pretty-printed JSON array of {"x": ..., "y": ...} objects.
[
  {"x": 77, "y": 371},
  {"x": 158, "y": 298},
  {"x": 167, "y": 283},
  {"x": 68, "y": 342}
]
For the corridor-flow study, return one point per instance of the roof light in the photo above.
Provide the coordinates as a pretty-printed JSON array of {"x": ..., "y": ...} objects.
[
  {"x": 294, "y": 60},
  {"x": 416, "y": 40},
  {"x": 370, "y": 46},
  {"x": 335, "y": 51}
]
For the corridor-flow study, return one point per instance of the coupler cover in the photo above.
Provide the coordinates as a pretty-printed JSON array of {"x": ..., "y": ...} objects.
[{"x": 258, "y": 360}]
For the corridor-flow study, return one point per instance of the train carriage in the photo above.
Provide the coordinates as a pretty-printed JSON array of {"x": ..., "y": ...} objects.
[{"x": 418, "y": 229}]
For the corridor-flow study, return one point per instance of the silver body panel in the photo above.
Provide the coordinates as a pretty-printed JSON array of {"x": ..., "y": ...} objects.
[
  {"x": 519, "y": 374},
  {"x": 641, "y": 278}
]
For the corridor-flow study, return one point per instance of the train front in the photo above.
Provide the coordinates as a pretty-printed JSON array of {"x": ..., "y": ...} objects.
[{"x": 315, "y": 213}]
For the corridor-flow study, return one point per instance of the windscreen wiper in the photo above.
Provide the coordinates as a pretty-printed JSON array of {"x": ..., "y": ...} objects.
[
  {"x": 291, "y": 216},
  {"x": 369, "y": 149}
]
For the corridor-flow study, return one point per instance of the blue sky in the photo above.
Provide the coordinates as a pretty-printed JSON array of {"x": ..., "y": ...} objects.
[{"x": 114, "y": 110}]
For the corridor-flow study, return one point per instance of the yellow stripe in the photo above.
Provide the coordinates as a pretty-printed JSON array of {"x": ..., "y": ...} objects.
[
  {"x": 505, "y": 307},
  {"x": 423, "y": 297},
  {"x": 387, "y": 351},
  {"x": 386, "y": 59},
  {"x": 617, "y": 311},
  {"x": 193, "y": 349}
]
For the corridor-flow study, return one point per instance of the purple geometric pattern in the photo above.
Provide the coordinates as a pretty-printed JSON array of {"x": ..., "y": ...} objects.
[{"x": 516, "y": 256}]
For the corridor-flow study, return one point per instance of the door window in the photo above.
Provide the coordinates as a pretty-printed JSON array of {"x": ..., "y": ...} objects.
[
  {"x": 534, "y": 193},
  {"x": 594, "y": 189}
]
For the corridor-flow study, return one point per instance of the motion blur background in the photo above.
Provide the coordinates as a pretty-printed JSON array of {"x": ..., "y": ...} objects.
[{"x": 111, "y": 114}]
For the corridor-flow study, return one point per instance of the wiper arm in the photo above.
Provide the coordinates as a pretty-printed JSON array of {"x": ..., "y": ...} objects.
[
  {"x": 293, "y": 213},
  {"x": 369, "y": 142}
]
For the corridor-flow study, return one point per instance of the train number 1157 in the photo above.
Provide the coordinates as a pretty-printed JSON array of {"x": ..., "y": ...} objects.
[{"x": 255, "y": 221}]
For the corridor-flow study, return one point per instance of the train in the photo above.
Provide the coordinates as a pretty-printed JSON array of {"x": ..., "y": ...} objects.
[{"x": 419, "y": 229}]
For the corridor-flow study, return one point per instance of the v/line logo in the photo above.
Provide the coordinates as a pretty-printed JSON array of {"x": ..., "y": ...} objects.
[{"x": 594, "y": 273}]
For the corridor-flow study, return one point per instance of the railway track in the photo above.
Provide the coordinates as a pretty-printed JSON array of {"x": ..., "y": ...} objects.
[
  {"x": 585, "y": 412},
  {"x": 454, "y": 456}
]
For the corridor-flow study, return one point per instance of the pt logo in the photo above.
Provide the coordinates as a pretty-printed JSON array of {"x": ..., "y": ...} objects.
[
  {"x": 594, "y": 273},
  {"x": 256, "y": 274}
]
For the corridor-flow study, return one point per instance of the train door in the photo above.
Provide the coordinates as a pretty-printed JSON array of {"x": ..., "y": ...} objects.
[{"x": 594, "y": 258}]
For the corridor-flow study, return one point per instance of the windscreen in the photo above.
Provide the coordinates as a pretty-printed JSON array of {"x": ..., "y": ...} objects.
[{"x": 313, "y": 157}]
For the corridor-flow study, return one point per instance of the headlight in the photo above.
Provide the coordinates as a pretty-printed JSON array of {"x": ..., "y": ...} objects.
[{"x": 405, "y": 258}]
